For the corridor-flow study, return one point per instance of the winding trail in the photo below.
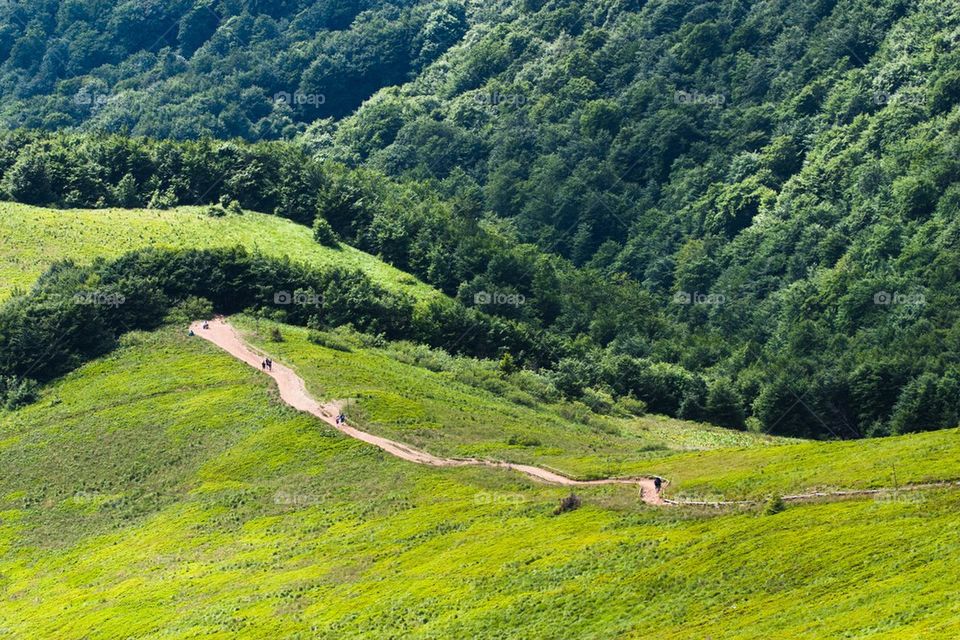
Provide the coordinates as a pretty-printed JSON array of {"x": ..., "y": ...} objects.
[{"x": 293, "y": 391}]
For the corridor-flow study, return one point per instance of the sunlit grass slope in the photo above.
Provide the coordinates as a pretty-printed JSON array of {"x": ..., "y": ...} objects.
[
  {"x": 468, "y": 408},
  {"x": 810, "y": 466},
  {"x": 33, "y": 238},
  {"x": 162, "y": 492}
]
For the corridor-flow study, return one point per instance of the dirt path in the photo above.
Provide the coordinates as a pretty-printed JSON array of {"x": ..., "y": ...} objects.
[{"x": 293, "y": 391}]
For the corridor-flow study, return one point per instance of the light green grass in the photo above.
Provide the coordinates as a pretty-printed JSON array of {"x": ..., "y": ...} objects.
[
  {"x": 163, "y": 492},
  {"x": 471, "y": 410},
  {"x": 816, "y": 466},
  {"x": 442, "y": 413},
  {"x": 33, "y": 238}
]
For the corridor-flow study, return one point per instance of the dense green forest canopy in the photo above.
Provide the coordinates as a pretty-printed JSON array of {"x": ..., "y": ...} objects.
[
  {"x": 180, "y": 68},
  {"x": 758, "y": 200}
]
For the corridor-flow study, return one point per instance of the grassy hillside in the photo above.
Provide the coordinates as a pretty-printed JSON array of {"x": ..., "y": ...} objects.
[
  {"x": 163, "y": 492},
  {"x": 462, "y": 407},
  {"x": 465, "y": 408},
  {"x": 83, "y": 235},
  {"x": 816, "y": 466},
  {"x": 762, "y": 194}
]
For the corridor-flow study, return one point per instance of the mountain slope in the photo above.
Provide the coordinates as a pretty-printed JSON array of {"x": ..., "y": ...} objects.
[
  {"x": 182, "y": 70},
  {"x": 84, "y": 235},
  {"x": 759, "y": 198},
  {"x": 237, "y": 516}
]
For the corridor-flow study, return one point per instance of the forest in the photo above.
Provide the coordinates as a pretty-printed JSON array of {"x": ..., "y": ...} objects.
[{"x": 744, "y": 213}]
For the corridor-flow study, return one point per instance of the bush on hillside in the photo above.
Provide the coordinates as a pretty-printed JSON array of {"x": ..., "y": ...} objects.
[
  {"x": 630, "y": 406},
  {"x": 324, "y": 233},
  {"x": 190, "y": 309},
  {"x": 329, "y": 341},
  {"x": 569, "y": 503},
  {"x": 523, "y": 441},
  {"x": 773, "y": 506},
  {"x": 16, "y": 392}
]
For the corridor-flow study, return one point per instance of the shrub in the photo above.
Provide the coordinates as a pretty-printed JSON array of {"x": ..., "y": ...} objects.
[
  {"x": 598, "y": 400},
  {"x": 275, "y": 335},
  {"x": 508, "y": 364},
  {"x": 190, "y": 309},
  {"x": 522, "y": 398},
  {"x": 324, "y": 233},
  {"x": 569, "y": 503},
  {"x": 523, "y": 441},
  {"x": 328, "y": 341},
  {"x": 16, "y": 392},
  {"x": 575, "y": 412},
  {"x": 628, "y": 405},
  {"x": 162, "y": 199},
  {"x": 724, "y": 405},
  {"x": 773, "y": 506},
  {"x": 535, "y": 384}
]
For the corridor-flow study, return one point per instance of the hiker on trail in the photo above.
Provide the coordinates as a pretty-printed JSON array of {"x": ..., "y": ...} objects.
[
  {"x": 191, "y": 334},
  {"x": 206, "y": 325},
  {"x": 269, "y": 364},
  {"x": 263, "y": 365},
  {"x": 657, "y": 483}
]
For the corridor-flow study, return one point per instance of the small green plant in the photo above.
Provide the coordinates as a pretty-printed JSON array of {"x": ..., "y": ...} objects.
[
  {"x": 330, "y": 342},
  {"x": 231, "y": 206},
  {"x": 17, "y": 392},
  {"x": 508, "y": 364},
  {"x": 630, "y": 406},
  {"x": 773, "y": 506},
  {"x": 523, "y": 441},
  {"x": 324, "y": 233},
  {"x": 275, "y": 335},
  {"x": 598, "y": 400},
  {"x": 575, "y": 411},
  {"x": 166, "y": 199},
  {"x": 569, "y": 503}
]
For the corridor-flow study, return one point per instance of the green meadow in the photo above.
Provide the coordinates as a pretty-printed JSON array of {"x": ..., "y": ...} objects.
[
  {"x": 463, "y": 407},
  {"x": 34, "y": 238},
  {"x": 165, "y": 492}
]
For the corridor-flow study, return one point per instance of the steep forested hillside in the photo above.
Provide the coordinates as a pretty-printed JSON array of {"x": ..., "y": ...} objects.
[
  {"x": 180, "y": 68},
  {"x": 737, "y": 211}
]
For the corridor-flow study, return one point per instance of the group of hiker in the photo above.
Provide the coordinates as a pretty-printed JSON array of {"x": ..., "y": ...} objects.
[
  {"x": 206, "y": 325},
  {"x": 341, "y": 419},
  {"x": 267, "y": 365}
]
